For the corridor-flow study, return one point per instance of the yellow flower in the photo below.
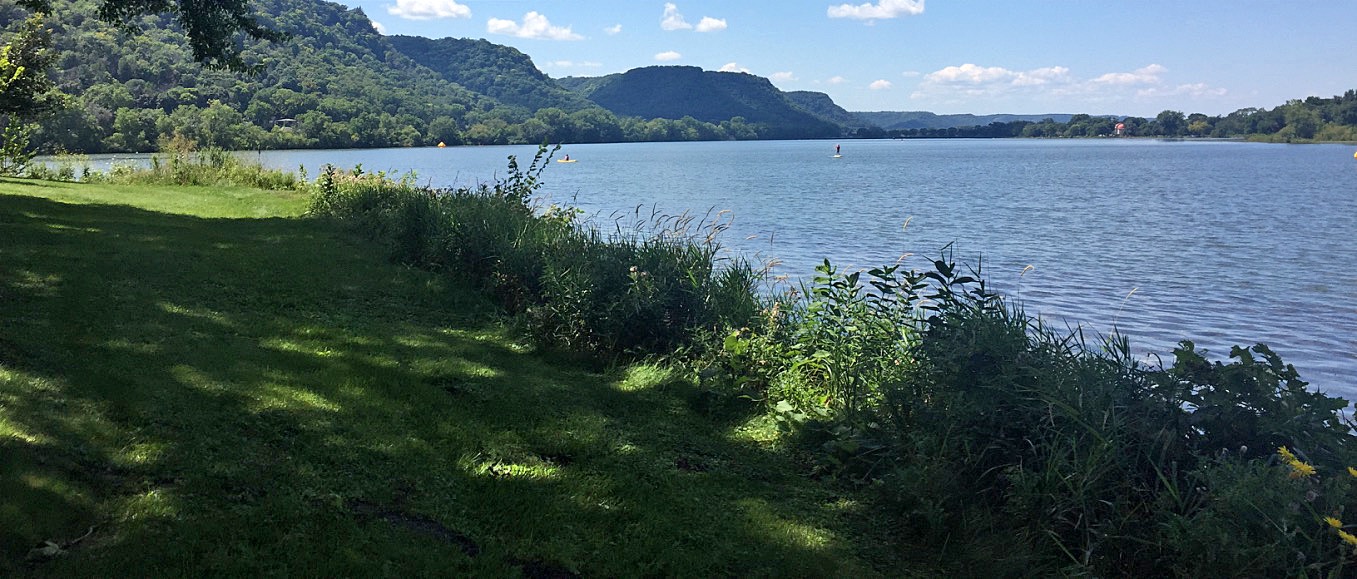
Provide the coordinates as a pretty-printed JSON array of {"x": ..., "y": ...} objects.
[
  {"x": 1335, "y": 523},
  {"x": 1298, "y": 469},
  {"x": 1352, "y": 471},
  {"x": 1347, "y": 537}
]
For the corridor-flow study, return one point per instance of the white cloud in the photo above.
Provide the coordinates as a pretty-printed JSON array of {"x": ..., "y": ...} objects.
[
  {"x": 1197, "y": 90},
  {"x": 428, "y": 9},
  {"x": 881, "y": 84},
  {"x": 837, "y": 80},
  {"x": 969, "y": 74},
  {"x": 672, "y": 20},
  {"x": 668, "y": 55},
  {"x": 733, "y": 67},
  {"x": 881, "y": 10},
  {"x": 709, "y": 24},
  {"x": 534, "y": 25},
  {"x": 378, "y": 26},
  {"x": 974, "y": 79},
  {"x": 1147, "y": 75},
  {"x": 614, "y": 29},
  {"x": 911, "y": 74},
  {"x": 970, "y": 81},
  {"x": 784, "y": 76},
  {"x": 1042, "y": 76}
]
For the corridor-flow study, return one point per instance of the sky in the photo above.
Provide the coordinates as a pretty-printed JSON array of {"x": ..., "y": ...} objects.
[{"x": 1115, "y": 57}]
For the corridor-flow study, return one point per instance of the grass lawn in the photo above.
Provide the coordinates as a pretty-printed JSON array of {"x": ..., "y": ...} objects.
[{"x": 198, "y": 381}]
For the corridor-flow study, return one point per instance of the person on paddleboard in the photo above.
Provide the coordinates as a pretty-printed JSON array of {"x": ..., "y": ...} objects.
[{"x": 836, "y": 149}]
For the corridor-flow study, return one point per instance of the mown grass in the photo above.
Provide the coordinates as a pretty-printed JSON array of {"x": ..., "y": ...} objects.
[{"x": 197, "y": 381}]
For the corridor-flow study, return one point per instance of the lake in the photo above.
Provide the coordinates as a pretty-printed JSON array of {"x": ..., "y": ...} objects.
[{"x": 1222, "y": 243}]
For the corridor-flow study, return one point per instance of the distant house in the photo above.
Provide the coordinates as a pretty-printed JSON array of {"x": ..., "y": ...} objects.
[{"x": 1121, "y": 129}]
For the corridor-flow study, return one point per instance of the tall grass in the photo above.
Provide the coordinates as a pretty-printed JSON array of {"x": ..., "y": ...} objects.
[
  {"x": 577, "y": 287},
  {"x": 181, "y": 164}
]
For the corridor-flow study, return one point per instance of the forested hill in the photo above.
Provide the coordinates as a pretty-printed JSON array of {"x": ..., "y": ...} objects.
[
  {"x": 674, "y": 92},
  {"x": 501, "y": 72},
  {"x": 891, "y": 120},
  {"x": 336, "y": 83},
  {"x": 820, "y": 105}
]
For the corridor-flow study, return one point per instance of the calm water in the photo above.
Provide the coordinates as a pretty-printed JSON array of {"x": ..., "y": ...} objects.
[{"x": 1222, "y": 243}]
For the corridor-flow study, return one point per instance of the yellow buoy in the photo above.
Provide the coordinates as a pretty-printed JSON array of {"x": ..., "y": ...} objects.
[
  {"x": 441, "y": 145},
  {"x": 1354, "y": 155}
]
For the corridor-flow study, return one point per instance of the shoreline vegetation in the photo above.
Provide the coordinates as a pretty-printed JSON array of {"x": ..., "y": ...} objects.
[{"x": 210, "y": 367}]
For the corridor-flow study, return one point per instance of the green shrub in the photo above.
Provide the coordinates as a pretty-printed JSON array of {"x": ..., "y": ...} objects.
[
  {"x": 574, "y": 287},
  {"x": 15, "y": 154},
  {"x": 1018, "y": 449}
]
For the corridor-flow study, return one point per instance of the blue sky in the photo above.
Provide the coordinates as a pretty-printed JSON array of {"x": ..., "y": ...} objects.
[{"x": 946, "y": 56}]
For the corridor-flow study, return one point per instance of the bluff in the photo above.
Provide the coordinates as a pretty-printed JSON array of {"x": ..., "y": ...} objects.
[
  {"x": 820, "y": 105},
  {"x": 501, "y": 72},
  {"x": 675, "y": 92}
]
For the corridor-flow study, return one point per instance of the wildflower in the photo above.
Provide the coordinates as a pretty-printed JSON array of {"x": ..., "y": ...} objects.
[
  {"x": 1352, "y": 471},
  {"x": 1298, "y": 467},
  {"x": 1347, "y": 538},
  {"x": 1333, "y": 522}
]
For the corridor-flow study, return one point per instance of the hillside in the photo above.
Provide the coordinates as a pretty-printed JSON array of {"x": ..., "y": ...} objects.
[
  {"x": 336, "y": 83},
  {"x": 674, "y": 92},
  {"x": 824, "y": 107},
  {"x": 500, "y": 72},
  {"x": 890, "y": 120}
]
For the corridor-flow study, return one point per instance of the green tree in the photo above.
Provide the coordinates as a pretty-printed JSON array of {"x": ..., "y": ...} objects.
[
  {"x": 211, "y": 26},
  {"x": 489, "y": 132},
  {"x": 444, "y": 130},
  {"x": 534, "y": 131},
  {"x": 1172, "y": 123},
  {"x": 1302, "y": 121},
  {"x": 1199, "y": 125},
  {"x": 134, "y": 130},
  {"x": 25, "y": 87},
  {"x": 26, "y": 90},
  {"x": 595, "y": 125}
]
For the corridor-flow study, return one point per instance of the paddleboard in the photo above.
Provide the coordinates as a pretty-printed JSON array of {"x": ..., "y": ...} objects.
[
  {"x": 838, "y": 156},
  {"x": 565, "y": 160}
]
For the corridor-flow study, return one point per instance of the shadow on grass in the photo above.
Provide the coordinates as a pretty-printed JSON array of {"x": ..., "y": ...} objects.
[{"x": 266, "y": 396}]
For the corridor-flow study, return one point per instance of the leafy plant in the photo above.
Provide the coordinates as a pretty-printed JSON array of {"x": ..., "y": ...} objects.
[{"x": 15, "y": 154}]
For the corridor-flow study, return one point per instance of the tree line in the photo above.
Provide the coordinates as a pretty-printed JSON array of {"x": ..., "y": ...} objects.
[{"x": 1312, "y": 118}]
